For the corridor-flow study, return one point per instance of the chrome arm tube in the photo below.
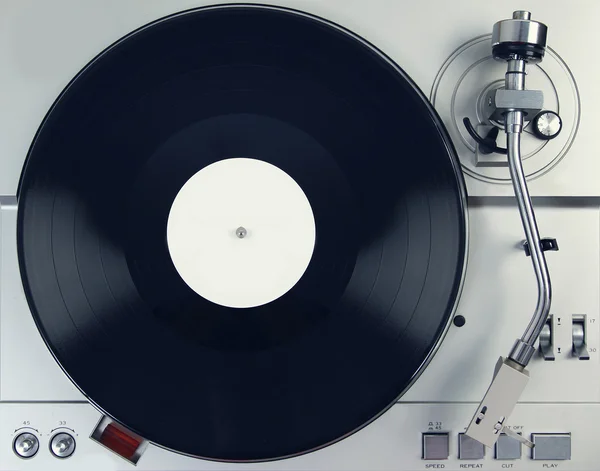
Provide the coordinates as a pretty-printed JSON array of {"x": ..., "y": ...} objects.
[
  {"x": 517, "y": 41},
  {"x": 523, "y": 349}
]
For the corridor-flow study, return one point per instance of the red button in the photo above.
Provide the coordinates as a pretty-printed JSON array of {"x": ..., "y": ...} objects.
[{"x": 119, "y": 441}]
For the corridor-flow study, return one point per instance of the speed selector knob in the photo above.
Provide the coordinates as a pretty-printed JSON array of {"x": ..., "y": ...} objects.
[
  {"x": 62, "y": 445},
  {"x": 26, "y": 445}
]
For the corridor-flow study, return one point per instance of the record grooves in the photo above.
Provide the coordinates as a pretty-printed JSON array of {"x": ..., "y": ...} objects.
[{"x": 360, "y": 140}]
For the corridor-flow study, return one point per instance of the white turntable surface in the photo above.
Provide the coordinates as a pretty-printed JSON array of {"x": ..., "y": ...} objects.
[{"x": 241, "y": 232}]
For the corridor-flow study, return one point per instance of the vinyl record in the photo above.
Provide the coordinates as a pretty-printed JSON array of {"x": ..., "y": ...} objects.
[{"x": 329, "y": 354}]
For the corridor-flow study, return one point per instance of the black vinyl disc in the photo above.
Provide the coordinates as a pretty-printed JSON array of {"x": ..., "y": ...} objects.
[{"x": 386, "y": 191}]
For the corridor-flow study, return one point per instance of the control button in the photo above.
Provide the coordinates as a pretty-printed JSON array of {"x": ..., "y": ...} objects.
[
  {"x": 436, "y": 446},
  {"x": 551, "y": 446},
  {"x": 508, "y": 448},
  {"x": 469, "y": 448},
  {"x": 62, "y": 445},
  {"x": 26, "y": 445}
]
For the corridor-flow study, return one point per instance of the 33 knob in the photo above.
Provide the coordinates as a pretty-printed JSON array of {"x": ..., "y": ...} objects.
[{"x": 62, "y": 445}]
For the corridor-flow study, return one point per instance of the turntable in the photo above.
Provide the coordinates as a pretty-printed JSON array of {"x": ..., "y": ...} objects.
[{"x": 307, "y": 235}]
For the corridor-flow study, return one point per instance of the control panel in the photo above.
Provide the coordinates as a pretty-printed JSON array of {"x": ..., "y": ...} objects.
[
  {"x": 27, "y": 443},
  {"x": 547, "y": 447},
  {"x": 47, "y": 437},
  {"x": 409, "y": 436}
]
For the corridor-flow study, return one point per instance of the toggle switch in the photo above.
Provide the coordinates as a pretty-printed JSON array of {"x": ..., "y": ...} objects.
[
  {"x": 579, "y": 346},
  {"x": 547, "y": 340}
]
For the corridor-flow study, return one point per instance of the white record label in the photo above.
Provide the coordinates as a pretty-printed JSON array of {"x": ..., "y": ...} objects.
[{"x": 241, "y": 232}]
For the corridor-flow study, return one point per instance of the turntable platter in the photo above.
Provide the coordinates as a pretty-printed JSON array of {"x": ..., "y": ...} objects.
[{"x": 200, "y": 374}]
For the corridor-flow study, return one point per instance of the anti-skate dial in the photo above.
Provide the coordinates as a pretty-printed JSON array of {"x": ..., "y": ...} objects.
[{"x": 546, "y": 125}]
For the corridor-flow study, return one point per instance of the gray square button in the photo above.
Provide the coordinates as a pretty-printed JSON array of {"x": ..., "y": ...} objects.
[
  {"x": 469, "y": 448},
  {"x": 508, "y": 448},
  {"x": 435, "y": 446},
  {"x": 551, "y": 446}
]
